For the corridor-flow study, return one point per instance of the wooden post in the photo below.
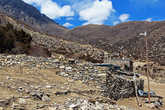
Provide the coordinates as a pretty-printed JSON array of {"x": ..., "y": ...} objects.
[
  {"x": 106, "y": 60},
  {"x": 147, "y": 72},
  {"x": 21, "y": 68},
  {"x": 136, "y": 92}
]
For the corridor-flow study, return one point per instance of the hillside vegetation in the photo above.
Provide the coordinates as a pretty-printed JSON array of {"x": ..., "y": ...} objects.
[{"x": 13, "y": 41}]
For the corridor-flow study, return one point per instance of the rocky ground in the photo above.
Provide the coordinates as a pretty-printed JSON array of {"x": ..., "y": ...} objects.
[
  {"x": 37, "y": 83},
  {"x": 69, "y": 49}
]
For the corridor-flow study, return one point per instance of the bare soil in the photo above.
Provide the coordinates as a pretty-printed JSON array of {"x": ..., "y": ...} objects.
[
  {"x": 11, "y": 79},
  {"x": 158, "y": 88}
]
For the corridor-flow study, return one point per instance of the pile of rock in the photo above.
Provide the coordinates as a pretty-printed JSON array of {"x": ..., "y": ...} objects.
[
  {"x": 70, "y": 49},
  {"x": 76, "y": 103},
  {"x": 122, "y": 86},
  {"x": 29, "y": 61},
  {"x": 84, "y": 104},
  {"x": 85, "y": 72},
  {"x": 75, "y": 69}
]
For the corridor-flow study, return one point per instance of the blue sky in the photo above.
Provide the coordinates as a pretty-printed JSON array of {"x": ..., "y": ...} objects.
[{"x": 73, "y": 13}]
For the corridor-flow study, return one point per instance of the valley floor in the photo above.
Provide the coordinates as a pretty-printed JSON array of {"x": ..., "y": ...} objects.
[
  {"x": 42, "y": 89},
  {"x": 26, "y": 88}
]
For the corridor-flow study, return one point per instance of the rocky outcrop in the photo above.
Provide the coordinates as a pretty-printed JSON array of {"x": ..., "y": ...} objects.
[{"x": 69, "y": 49}]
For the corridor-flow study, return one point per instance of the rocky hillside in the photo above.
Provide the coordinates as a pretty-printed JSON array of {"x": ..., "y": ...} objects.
[
  {"x": 124, "y": 39},
  {"x": 44, "y": 45},
  {"x": 30, "y": 16}
]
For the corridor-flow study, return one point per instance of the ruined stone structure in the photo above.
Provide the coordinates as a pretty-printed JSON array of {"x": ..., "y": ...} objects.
[
  {"x": 120, "y": 79},
  {"x": 121, "y": 85},
  {"x": 125, "y": 63}
]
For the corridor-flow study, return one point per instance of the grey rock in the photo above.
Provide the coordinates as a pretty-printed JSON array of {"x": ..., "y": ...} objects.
[
  {"x": 40, "y": 96},
  {"x": 21, "y": 101},
  {"x": 45, "y": 98}
]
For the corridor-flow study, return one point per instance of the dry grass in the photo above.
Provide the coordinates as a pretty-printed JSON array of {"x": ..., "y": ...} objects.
[{"x": 40, "y": 77}]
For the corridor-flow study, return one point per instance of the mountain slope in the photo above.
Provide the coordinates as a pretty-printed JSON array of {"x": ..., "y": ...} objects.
[
  {"x": 29, "y": 15},
  {"x": 124, "y": 39},
  {"x": 45, "y": 45}
]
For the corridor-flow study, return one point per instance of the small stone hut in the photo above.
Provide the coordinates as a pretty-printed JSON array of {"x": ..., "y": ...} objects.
[{"x": 122, "y": 85}]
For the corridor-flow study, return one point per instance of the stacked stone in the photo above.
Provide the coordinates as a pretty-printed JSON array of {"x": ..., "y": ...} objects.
[
  {"x": 121, "y": 86},
  {"x": 76, "y": 69},
  {"x": 83, "y": 104},
  {"x": 27, "y": 61}
]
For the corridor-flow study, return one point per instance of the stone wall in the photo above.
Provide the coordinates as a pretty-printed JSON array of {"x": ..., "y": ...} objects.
[{"x": 121, "y": 86}]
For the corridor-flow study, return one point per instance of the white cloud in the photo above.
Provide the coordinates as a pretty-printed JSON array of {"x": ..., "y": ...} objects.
[
  {"x": 149, "y": 19},
  {"x": 36, "y": 2},
  {"x": 51, "y": 8},
  {"x": 116, "y": 22},
  {"x": 124, "y": 17},
  {"x": 68, "y": 25},
  {"x": 28, "y": 1},
  {"x": 97, "y": 13},
  {"x": 79, "y": 5}
]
